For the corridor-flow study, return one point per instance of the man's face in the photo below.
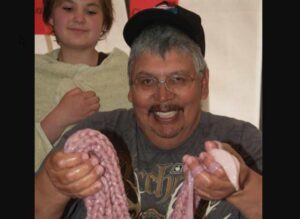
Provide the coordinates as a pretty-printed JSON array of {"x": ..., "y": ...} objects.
[{"x": 167, "y": 117}]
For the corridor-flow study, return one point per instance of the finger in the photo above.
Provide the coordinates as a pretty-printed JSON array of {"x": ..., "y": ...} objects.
[
  {"x": 89, "y": 94},
  {"x": 87, "y": 181},
  {"x": 95, "y": 107},
  {"x": 90, "y": 190},
  {"x": 82, "y": 170},
  {"x": 211, "y": 186},
  {"x": 190, "y": 161},
  {"x": 197, "y": 170},
  {"x": 92, "y": 100},
  {"x": 209, "y": 145},
  {"x": 211, "y": 164},
  {"x": 65, "y": 176},
  {"x": 193, "y": 165},
  {"x": 91, "y": 110},
  {"x": 62, "y": 160}
]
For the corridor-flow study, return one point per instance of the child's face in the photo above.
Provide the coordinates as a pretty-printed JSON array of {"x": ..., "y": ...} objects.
[{"x": 77, "y": 23}]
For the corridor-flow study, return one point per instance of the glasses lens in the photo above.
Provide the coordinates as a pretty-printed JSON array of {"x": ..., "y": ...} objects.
[
  {"x": 178, "y": 82},
  {"x": 173, "y": 83}
]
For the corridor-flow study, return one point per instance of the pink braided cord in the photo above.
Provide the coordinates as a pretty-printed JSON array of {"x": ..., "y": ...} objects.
[{"x": 111, "y": 201}]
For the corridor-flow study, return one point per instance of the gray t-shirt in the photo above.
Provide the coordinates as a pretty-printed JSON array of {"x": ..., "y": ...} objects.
[{"x": 160, "y": 172}]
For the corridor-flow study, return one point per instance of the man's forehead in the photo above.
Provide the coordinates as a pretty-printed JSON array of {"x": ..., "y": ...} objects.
[
  {"x": 155, "y": 64},
  {"x": 174, "y": 52}
]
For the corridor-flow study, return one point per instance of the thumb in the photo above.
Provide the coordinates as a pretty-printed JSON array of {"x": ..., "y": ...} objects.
[{"x": 209, "y": 145}]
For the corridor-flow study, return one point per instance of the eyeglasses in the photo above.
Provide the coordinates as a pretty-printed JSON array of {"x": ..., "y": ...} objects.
[{"x": 174, "y": 83}]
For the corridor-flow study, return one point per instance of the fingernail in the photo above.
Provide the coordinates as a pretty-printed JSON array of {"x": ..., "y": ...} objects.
[
  {"x": 94, "y": 161},
  {"x": 85, "y": 156},
  {"x": 202, "y": 156},
  {"x": 188, "y": 160},
  {"x": 99, "y": 170},
  {"x": 184, "y": 158}
]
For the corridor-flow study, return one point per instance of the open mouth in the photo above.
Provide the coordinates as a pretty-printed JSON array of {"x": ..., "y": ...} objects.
[
  {"x": 166, "y": 117},
  {"x": 165, "y": 113}
]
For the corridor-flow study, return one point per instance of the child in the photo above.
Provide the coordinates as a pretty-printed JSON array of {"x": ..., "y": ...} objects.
[{"x": 76, "y": 80}]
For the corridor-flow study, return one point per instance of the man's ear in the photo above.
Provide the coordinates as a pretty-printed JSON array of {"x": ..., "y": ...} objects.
[{"x": 205, "y": 84}]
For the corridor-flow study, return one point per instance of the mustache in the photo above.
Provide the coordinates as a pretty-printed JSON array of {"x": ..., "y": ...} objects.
[{"x": 165, "y": 107}]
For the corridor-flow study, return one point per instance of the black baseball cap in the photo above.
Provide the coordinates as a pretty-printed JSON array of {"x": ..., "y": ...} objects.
[{"x": 166, "y": 13}]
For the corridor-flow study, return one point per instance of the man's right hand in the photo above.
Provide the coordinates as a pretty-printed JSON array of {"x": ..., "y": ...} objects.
[
  {"x": 62, "y": 177},
  {"x": 76, "y": 175}
]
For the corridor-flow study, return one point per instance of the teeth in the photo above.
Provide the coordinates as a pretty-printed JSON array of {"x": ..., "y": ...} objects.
[{"x": 165, "y": 115}]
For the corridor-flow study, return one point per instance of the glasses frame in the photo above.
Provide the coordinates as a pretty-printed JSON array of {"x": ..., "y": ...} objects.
[{"x": 159, "y": 82}]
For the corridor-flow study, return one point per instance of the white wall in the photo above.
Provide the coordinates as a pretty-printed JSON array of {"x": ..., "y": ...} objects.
[{"x": 233, "y": 31}]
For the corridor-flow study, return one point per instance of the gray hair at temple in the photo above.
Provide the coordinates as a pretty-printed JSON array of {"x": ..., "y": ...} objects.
[{"x": 159, "y": 39}]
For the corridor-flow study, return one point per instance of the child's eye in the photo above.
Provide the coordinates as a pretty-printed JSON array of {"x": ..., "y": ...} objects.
[
  {"x": 67, "y": 8},
  {"x": 91, "y": 12}
]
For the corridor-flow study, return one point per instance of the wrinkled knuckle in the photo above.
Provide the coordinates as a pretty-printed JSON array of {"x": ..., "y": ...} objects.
[
  {"x": 57, "y": 161},
  {"x": 75, "y": 187},
  {"x": 93, "y": 176},
  {"x": 61, "y": 187},
  {"x": 69, "y": 177},
  {"x": 63, "y": 181},
  {"x": 97, "y": 186},
  {"x": 88, "y": 166},
  {"x": 208, "y": 184}
]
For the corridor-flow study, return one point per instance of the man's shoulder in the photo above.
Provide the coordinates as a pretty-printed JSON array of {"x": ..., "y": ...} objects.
[
  {"x": 226, "y": 126},
  {"x": 214, "y": 119}
]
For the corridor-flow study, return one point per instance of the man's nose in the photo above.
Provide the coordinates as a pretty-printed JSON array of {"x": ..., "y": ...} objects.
[{"x": 163, "y": 92}]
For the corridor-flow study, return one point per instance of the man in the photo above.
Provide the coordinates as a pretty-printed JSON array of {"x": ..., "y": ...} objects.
[{"x": 168, "y": 78}]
